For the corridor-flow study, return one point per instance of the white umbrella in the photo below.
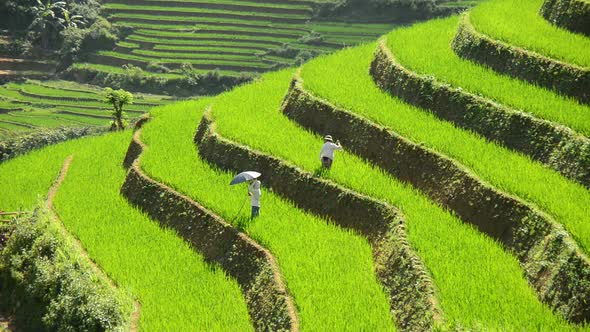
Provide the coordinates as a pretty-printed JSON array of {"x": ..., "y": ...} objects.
[{"x": 244, "y": 176}]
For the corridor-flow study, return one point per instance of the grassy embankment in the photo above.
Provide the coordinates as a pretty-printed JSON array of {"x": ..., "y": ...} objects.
[{"x": 519, "y": 23}]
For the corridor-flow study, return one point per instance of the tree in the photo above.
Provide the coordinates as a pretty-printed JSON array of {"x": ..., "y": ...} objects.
[
  {"x": 118, "y": 99},
  {"x": 48, "y": 18}
]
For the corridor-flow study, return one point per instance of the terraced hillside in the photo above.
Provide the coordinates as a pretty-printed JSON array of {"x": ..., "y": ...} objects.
[
  {"x": 461, "y": 200},
  {"x": 12, "y": 68},
  {"x": 49, "y": 104},
  {"x": 231, "y": 36}
]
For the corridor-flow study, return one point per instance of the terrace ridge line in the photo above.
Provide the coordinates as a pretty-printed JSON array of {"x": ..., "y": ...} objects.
[
  {"x": 551, "y": 260},
  {"x": 399, "y": 269},
  {"x": 255, "y": 269}
]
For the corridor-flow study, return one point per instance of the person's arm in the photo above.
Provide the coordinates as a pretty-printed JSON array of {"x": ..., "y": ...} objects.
[{"x": 337, "y": 145}]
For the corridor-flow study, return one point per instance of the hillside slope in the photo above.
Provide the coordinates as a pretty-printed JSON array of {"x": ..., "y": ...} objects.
[{"x": 455, "y": 205}]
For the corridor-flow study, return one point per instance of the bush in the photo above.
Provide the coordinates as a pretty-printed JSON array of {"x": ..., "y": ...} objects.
[
  {"x": 304, "y": 56},
  {"x": 286, "y": 51},
  {"x": 51, "y": 285},
  {"x": 312, "y": 38},
  {"x": 157, "y": 67}
]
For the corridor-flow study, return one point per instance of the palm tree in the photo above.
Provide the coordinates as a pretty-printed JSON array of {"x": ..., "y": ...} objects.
[{"x": 47, "y": 18}]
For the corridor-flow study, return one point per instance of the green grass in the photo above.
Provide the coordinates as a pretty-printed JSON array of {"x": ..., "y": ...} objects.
[
  {"x": 118, "y": 70},
  {"x": 127, "y": 44},
  {"x": 206, "y": 49},
  {"x": 210, "y": 57},
  {"x": 479, "y": 285},
  {"x": 206, "y": 20},
  {"x": 425, "y": 49},
  {"x": 246, "y": 3},
  {"x": 40, "y": 118},
  {"x": 10, "y": 91},
  {"x": 176, "y": 288},
  {"x": 352, "y": 88},
  {"x": 519, "y": 23},
  {"x": 182, "y": 42},
  {"x": 328, "y": 271},
  {"x": 199, "y": 27},
  {"x": 160, "y": 9},
  {"x": 41, "y": 109},
  {"x": 105, "y": 69},
  {"x": 164, "y": 60},
  {"x": 197, "y": 36}
]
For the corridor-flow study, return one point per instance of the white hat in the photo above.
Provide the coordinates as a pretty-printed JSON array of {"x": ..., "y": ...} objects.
[{"x": 328, "y": 138}]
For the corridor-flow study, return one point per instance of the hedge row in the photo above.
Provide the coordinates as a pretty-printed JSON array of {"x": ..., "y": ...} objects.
[
  {"x": 554, "y": 145},
  {"x": 398, "y": 268},
  {"x": 552, "y": 262},
  {"x": 573, "y": 15},
  {"x": 537, "y": 69},
  {"x": 253, "y": 267},
  {"x": 208, "y": 84},
  {"x": 41, "y": 137},
  {"x": 49, "y": 285}
]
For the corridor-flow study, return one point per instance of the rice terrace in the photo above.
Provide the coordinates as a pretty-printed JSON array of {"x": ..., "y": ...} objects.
[{"x": 294, "y": 165}]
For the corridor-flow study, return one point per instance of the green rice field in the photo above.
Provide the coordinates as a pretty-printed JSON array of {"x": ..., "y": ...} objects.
[
  {"x": 332, "y": 274},
  {"x": 50, "y": 104},
  {"x": 252, "y": 29}
]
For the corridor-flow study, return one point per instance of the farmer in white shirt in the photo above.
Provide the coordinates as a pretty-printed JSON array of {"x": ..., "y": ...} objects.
[
  {"x": 327, "y": 152},
  {"x": 254, "y": 193}
]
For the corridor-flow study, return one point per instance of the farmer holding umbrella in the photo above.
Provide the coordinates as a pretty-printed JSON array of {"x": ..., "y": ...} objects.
[
  {"x": 253, "y": 190},
  {"x": 327, "y": 151},
  {"x": 254, "y": 193}
]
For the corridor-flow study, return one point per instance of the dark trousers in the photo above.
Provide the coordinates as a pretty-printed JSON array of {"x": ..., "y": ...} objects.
[
  {"x": 255, "y": 212},
  {"x": 326, "y": 162}
]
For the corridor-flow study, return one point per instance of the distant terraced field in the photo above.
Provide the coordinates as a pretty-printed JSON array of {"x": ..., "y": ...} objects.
[
  {"x": 231, "y": 36},
  {"x": 49, "y": 104}
]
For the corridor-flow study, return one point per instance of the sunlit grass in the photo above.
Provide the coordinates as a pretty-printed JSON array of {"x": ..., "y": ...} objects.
[
  {"x": 519, "y": 23},
  {"x": 328, "y": 271},
  {"x": 478, "y": 283},
  {"x": 425, "y": 48},
  {"x": 176, "y": 288}
]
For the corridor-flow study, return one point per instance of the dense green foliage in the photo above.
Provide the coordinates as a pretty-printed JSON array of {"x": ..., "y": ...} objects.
[
  {"x": 118, "y": 99},
  {"x": 51, "y": 286},
  {"x": 328, "y": 271}
]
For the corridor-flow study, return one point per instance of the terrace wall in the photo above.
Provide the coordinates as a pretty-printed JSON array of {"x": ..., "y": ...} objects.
[
  {"x": 398, "y": 268},
  {"x": 573, "y": 15},
  {"x": 550, "y": 258},
  {"x": 254, "y": 268},
  {"x": 567, "y": 79},
  {"x": 554, "y": 145}
]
